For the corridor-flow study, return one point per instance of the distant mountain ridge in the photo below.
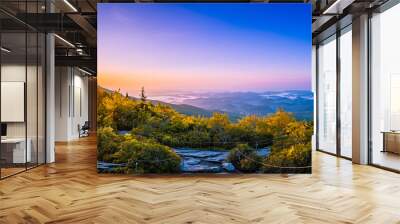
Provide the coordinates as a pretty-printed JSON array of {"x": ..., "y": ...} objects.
[
  {"x": 181, "y": 108},
  {"x": 239, "y": 104}
]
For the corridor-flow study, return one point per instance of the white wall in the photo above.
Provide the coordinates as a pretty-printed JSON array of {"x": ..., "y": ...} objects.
[
  {"x": 62, "y": 82},
  {"x": 314, "y": 90},
  {"x": 80, "y": 112},
  {"x": 33, "y": 127},
  {"x": 71, "y": 102},
  {"x": 10, "y": 73}
]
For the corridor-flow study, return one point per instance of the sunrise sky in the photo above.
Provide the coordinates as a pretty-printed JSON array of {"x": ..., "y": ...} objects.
[{"x": 204, "y": 47}]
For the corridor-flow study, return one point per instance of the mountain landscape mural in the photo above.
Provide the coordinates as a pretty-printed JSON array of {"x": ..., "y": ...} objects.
[{"x": 204, "y": 88}]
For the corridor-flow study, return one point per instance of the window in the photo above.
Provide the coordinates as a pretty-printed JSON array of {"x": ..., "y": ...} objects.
[
  {"x": 385, "y": 89},
  {"x": 327, "y": 95},
  {"x": 346, "y": 92}
]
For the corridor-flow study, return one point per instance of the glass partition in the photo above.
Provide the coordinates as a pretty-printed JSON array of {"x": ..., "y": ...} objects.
[
  {"x": 327, "y": 95},
  {"x": 14, "y": 153},
  {"x": 31, "y": 97},
  {"x": 22, "y": 92}
]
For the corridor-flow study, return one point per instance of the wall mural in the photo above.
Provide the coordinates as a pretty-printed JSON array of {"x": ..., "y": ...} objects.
[{"x": 204, "y": 88}]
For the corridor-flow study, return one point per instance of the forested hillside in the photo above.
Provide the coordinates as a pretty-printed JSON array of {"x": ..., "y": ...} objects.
[{"x": 153, "y": 129}]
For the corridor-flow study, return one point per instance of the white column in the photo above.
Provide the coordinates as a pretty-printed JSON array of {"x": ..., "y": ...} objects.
[
  {"x": 360, "y": 90},
  {"x": 50, "y": 98}
]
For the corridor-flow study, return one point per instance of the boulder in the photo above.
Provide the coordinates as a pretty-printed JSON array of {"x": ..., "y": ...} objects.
[{"x": 229, "y": 167}]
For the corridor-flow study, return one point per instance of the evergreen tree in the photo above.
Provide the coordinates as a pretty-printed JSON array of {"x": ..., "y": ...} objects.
[{"x": 143, "y": 96}]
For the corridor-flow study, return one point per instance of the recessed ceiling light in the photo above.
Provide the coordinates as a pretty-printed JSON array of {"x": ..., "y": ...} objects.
[
  {"x": 64, "y": 40},
  {"x": 84, "y": 71},
  {"x": 70, "y": 5},
  {"x": 5, "y": 50}
]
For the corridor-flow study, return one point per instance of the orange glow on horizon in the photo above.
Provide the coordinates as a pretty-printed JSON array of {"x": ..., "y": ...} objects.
[{"x": 159, "y": 83}]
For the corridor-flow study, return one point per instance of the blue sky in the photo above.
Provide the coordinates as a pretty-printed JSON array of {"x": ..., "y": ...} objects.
[{"x": 204, "y": 47}]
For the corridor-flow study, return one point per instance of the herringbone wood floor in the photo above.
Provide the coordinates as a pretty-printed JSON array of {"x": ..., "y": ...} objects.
[{"x": 70, "y": 191}]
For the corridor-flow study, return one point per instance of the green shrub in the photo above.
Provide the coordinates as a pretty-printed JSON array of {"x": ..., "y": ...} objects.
[
  {"x": 123, "y": 116},
  {"x": 298, "y": 155},
  {"x": 128, "y": 150},
  {"x": 108, "y": 142},
  {"x": 143, "y": 155},
  {"x": 245, "y": 158},
  {"x": 153, "y": 158}
]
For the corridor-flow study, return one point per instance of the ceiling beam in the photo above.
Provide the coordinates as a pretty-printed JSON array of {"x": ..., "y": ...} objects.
[
  {"x": 77, "y": 61},
  {"x": 338, "y": 6},
  {"x": 84, "y": 24}
]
